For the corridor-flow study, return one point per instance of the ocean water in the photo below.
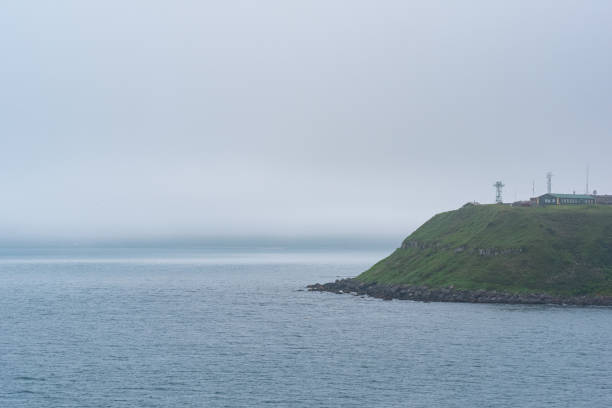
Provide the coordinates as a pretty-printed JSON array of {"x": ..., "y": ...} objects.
[{"x": 234, "y": 328}]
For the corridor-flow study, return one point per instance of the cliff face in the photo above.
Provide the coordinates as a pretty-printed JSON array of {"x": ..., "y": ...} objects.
[{"x": 560, "y": 250}]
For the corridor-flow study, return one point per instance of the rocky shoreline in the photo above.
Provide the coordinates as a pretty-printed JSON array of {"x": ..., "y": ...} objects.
[{"x": 450, "y": 294}]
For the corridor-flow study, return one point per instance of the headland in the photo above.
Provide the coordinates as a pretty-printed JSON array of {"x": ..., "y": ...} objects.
[{"x": 498, "y": 254}]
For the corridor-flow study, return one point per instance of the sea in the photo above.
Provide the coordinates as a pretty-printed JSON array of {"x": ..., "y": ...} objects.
[{"x": 235, "y": 327}]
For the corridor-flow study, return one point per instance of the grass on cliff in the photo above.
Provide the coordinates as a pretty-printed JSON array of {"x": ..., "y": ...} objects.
[{"x": 563, "y": 250}]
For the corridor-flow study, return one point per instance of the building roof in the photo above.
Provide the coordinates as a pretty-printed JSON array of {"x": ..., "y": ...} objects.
[{"x": 581, "y": 196}]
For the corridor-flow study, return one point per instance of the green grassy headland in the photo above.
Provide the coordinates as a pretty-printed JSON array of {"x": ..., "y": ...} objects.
[{"x": 556, "y": 250}]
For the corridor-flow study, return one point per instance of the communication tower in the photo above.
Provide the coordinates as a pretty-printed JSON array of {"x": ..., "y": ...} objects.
[
  {"x": 549, "y": 177},
  {"x": 498, "y": 191},
  {"x": 587, "y": 181}
]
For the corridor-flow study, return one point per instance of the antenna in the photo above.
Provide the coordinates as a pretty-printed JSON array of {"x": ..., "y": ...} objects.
[
  {"x": 549, "y": 177},
  {"x": 498, "y": 191},
  {"x": 587, "y": 180}
]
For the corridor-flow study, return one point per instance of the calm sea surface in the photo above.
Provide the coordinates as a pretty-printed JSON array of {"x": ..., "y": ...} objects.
[{"x": 233, "y": 328}]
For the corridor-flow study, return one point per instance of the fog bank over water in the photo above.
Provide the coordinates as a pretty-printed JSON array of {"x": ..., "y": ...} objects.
[
  {"x": 152, "y": 120},
  {"x": 276, "y": 244}
]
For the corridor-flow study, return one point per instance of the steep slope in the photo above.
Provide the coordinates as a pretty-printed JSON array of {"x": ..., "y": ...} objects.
[{"x": 557, "y": 250}]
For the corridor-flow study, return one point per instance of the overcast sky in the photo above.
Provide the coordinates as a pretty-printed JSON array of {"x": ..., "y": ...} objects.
[{"x": 293, "y": 118}]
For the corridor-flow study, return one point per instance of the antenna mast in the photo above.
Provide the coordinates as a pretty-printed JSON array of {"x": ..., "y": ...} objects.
[
  {"x": 549, "y": 177},
  {"x": 587, "y": 180},
  {"x": 498, "y": 191}
]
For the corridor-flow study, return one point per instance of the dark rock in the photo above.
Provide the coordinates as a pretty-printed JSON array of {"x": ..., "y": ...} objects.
[{"x": 451, "y": 294}]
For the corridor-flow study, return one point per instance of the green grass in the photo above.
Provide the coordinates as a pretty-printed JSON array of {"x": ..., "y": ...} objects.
[{"x": 565, "y": 251}]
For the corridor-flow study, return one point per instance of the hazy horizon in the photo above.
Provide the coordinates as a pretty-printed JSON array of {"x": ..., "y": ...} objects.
[
  {"x": 191, "y": 120},
  {"x": 321, "y": 242}
]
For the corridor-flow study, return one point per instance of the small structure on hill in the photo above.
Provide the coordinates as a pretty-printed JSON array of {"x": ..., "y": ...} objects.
[
  {"x": 564, "y": 199},
  {"x": 603, "y": 199}
]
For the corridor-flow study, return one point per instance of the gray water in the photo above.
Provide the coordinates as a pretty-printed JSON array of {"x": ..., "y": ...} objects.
[{"x": 233, "y": 328}]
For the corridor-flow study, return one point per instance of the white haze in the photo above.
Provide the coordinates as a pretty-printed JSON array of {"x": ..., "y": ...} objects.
[{"x": 292, "y": 118}]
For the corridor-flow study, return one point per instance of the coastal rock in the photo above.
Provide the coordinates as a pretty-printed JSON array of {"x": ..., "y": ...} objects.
[{"x": 451, "y": 294}]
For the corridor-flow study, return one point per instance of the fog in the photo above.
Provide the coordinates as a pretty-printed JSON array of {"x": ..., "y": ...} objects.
[{"x": 151, "y": 119}]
